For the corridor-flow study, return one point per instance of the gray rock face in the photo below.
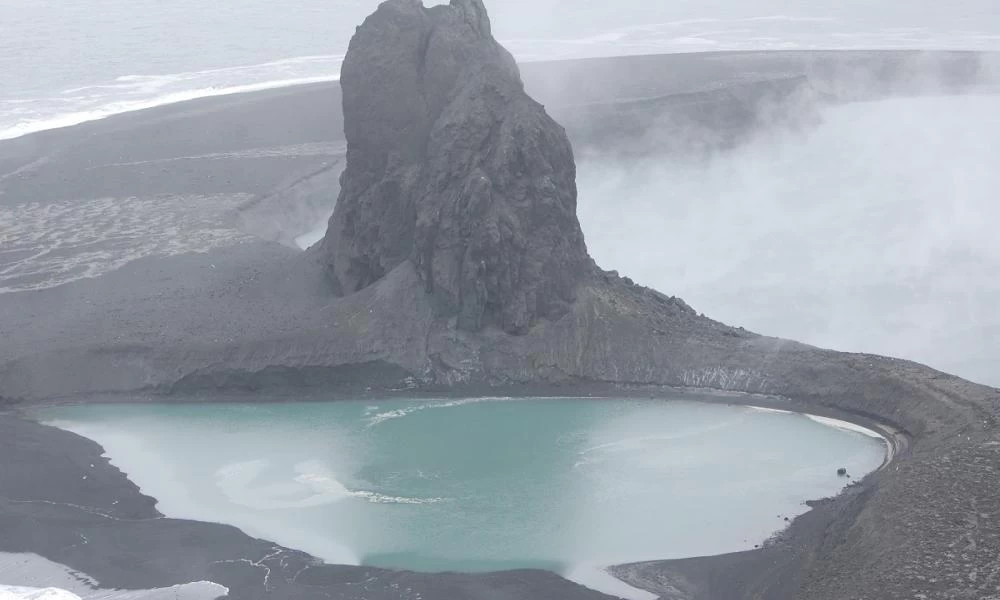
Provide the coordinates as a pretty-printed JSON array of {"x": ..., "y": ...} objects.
[{"x": 452, "y": 166}]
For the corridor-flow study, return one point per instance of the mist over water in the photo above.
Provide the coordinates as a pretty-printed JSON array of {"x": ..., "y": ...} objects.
[
  {"x": 479, "y": 485},
  {"x": 874, "y": 231}
]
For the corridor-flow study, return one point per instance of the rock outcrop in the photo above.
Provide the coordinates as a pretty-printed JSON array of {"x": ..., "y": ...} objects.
[{"x": 453, "y": 167}]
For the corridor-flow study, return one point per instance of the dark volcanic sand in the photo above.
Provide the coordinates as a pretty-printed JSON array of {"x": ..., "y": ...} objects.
[{"x": 122, "y": 200}]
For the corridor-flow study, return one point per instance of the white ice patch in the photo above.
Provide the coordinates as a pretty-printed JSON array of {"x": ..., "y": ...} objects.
[
  {"x": 199, "y": 590},
  {"x": 10, "y": 592},
  {"x": 31, "y": 577},
  {"x": 634, "y": 443},
  {"x": 769, "y": 410},
  {"x": 237, "y": 482},
  {"x": 844, "y": 425},
  {"x": 599, "y": 579},
  {"x": 829, "y": 422}
]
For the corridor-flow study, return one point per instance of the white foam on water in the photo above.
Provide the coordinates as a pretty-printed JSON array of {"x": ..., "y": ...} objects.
[
  {"x": 769, "y": 410},
  {"x": 828, "y": 421},
  {"x": 129, "y": 93},
  {"x": 398, "y": 413},
  {"x": 844, "y": 425},
  {"x": 381, "y": 417},
  {"x": 314, "y": 484},
  {"x": 60, "y": 120},
  {"x": 831, "y": 422},
  {"x": 312, "y": 487},
  {"x": 377, "y": 498},
  {"x": 237, "y": 483},
  {"x": 633, "y": 443},
  {"x": 315, "y": 474}
]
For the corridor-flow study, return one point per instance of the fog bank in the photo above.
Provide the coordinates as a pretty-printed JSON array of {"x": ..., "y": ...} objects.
[{"x": 874, "y": 231}]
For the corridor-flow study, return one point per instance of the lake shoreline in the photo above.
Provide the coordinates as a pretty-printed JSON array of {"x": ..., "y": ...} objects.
[{"x": 630, "y": 575}]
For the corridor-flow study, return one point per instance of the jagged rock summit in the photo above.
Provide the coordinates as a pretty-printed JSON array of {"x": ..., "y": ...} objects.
[{"x": 453, "y": 167}]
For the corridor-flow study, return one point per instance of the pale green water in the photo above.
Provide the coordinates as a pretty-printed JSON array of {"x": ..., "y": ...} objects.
[{"x": 481, "y": 485}]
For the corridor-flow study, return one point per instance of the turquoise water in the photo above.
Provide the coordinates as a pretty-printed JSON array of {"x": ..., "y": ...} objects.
[{"x": 476, "y": 485}]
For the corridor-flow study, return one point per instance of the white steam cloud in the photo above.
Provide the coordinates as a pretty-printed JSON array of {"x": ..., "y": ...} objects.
[{"x": 877, "y": 230}]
